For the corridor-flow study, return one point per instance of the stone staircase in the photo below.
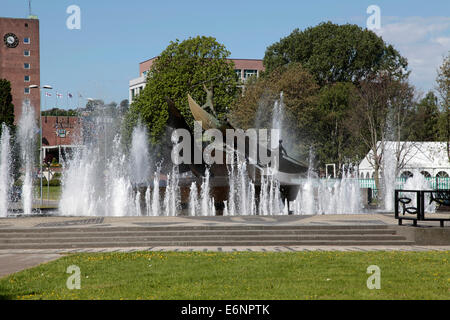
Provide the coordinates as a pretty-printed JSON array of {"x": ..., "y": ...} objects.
[{"x": 199, "y": 236}]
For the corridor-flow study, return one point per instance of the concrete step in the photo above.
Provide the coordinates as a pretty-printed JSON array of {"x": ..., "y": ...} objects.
[
  {"x": 107, "y": 233},
  {"x": 237, "y": 235},
  {"x": 244, "y": 243},
  {"x": 224, "y": 238},
  {"x": 190, "y": 228}
]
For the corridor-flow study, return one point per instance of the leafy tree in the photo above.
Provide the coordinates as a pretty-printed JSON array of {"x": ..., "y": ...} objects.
[
  {"x": 6, "y": 105},
  {"x": 333, "y": 141},
  {"x": 443, "y": 81},
  {"x": 124, "y": 106},
  {"x": 254, "y": 109},
  {"x": 336, "y": 53},
  {"x": 94, "y": 104},
  {"x": 182, "y": 68},
  {"x": 59, "y": 112},
  {"x": 7, "y": 117},
  {"x": 423, "y": 124}
]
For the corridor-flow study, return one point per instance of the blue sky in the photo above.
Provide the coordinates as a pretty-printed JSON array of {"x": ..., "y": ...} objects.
[{"x": 115, "y": 36}]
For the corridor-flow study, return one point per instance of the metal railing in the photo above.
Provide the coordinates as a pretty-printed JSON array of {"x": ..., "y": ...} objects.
[{"x": 435, "y": 183}]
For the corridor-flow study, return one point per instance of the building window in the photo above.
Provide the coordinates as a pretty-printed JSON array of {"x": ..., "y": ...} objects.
[
  {"x": 26, "y": 40},
  {"x": 26, "y": 53},
  {"x": 26, "y": 25},
  {"x": 249, "y": 73},
  {"x": 27, "y": 91},
  {"x": 426, "y": 174},
  {"x": 27, "y": 78},
  {"x": 26, "y": 66},
  {"x": 442, "y": 174},
  {"x": 406, "y": 175},
  {"x": 145, "y": 73}
]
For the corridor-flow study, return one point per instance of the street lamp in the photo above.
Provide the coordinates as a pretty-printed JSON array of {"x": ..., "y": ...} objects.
[{"x": 45, "y": 87}]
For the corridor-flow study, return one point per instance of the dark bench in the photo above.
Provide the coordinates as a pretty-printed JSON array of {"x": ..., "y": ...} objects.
[{"x": 416, "y": 212}]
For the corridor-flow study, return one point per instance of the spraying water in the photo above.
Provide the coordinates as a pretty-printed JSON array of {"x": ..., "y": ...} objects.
[
  {"x": 419, "y": 182},
  {"x": 193, "y": 200},
  {"x": 5, "y": 170},
  {"x": 389, "y": 177},
  {"x": 277, "y": 122},
  {"x": 140, "y": 157},
  {"x": 27, "y": 139}
]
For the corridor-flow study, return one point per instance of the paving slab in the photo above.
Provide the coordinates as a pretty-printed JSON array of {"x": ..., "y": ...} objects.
[
  {"x": 15, "y": 262},
  {"x": 293, "y": 220}
]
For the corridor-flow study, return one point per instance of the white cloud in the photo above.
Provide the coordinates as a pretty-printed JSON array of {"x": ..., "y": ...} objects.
[
  {"x": 423, "y": 41},
  {"x": 443, "y": 41}
]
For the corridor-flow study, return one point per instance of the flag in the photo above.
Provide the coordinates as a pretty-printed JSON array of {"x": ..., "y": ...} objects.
[
  {"x": 48, "y": 94},
  {"x": 70, "y": 95},
  {"x": 58, "y": 95}
]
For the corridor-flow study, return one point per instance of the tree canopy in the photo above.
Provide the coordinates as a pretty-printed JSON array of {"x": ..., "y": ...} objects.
[
  {"x": 6, "y": 105},
  {"x": 255, "y": 108},
  {"x": 424, "y": 122},
  {"x": 336, "y": 53},
  {"x": 332, "y": 140},
  {"x": 182, "y": 68},
  {"x": 443, "y": 86}
]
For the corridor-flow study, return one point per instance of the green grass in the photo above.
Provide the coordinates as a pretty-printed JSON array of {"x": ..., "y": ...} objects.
[{"x": 190, "y": 275}]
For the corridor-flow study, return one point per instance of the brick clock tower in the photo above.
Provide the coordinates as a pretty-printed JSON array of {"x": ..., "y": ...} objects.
[{"x": 20, "y": 61}]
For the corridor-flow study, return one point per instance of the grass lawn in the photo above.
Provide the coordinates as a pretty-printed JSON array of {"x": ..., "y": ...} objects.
[{"x": 240, "y": 275}]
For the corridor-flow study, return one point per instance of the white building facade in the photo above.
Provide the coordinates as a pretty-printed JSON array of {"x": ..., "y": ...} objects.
[{"x": 244, "y": 68}]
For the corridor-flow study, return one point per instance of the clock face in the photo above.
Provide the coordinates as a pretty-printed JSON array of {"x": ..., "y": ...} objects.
[{"x": 11, "y": 40}]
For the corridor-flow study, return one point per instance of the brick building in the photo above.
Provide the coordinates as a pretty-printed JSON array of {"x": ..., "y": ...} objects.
[
  {"x": 244, "y": 69},
  {"x": 60, "y": 134},
  {"x": 20, "y": 60}
]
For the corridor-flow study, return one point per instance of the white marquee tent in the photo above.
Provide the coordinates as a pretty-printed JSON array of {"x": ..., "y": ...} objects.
[{"x": 429, "y": 158}]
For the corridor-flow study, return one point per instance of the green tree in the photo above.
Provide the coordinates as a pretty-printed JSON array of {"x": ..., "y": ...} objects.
[
  {"x": 336, "y": 53},
  {"x": 59, "y": 112},
  {"x": 124, "y": 106},
  {"x": 7, "y": 117},
  {"x": 6, "y": 105},
  {"x": 182, "y": 68},
  {"x": 423, "y": 124},
  {"x": 254, "y": 109},
  {"x": 443, "y": 82},
  {"x": 333, "y": 141}
]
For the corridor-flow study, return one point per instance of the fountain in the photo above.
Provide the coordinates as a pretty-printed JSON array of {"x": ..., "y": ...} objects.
[
  {"x": 193, "y": 200},
  {"x": 5, "y": 170},
  {"x": 389, "y": 174},
  {"x": 140, "y": 166},
  {"x": 103, "y": 178},
  {"x": 27, "y": 139},
  {"x": 419, "y": 182}
]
